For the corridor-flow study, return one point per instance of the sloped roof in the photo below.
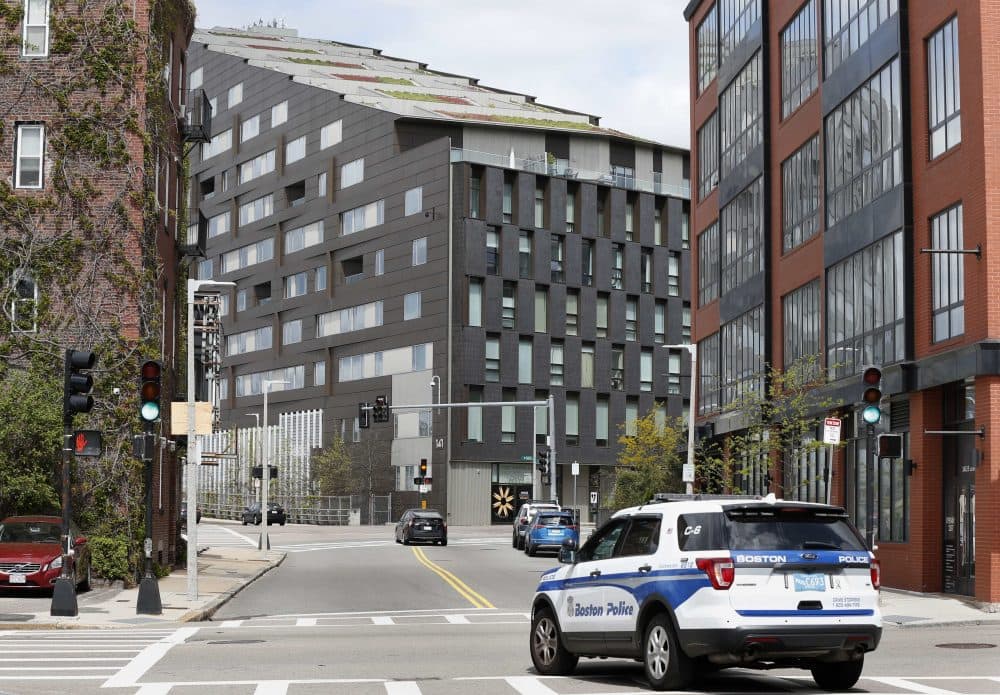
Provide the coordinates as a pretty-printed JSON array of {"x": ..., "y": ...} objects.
[{"x": 403, "y": 87}]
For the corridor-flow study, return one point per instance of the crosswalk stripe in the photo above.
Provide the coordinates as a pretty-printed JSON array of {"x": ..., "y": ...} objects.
[{"x": 401, "y": 688}]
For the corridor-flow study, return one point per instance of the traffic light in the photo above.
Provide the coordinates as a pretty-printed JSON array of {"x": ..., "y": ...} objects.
[
  {"x": 542, "y": 460},
  {"x": 423, "y": 468},
  {"x": 380, "y": 411},
  {"x": 364, "y": 422},
  {"x": 150, "y": 389},
  {"x": 872, "y": 395},
  {"x": 77, "y": 382}
]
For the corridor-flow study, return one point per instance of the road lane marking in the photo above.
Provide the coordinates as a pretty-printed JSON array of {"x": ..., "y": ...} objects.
[
  {"x": 147, "y": 658},
  {"x": 231, "y": 623},
  {"x": 909, "y": 685},
  {"x": 457, "y": 619},
  {"x": 454, "y": 582},
  {"x": 305, "y": 622},
  {"x": 158, "y": 689},
  {"x": 402, "y": 688},
  {"x": 382, "y": 620},
  {"x": 238, "y": 535},
  {"x": 529, "y": 685},
  {"x": 272, "y": 688}
]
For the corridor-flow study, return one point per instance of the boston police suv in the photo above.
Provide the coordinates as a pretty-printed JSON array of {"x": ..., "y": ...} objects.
[{"x": 706, "y": 582}]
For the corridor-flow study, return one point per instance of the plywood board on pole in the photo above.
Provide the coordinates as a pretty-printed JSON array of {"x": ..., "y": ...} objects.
[{"x": 179, "y": 418}]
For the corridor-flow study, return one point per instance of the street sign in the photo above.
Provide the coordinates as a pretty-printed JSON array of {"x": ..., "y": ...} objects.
[
  {"x": 687, "y": 473},
  {"x": 593, "y": 498},
  {"x": 576, "y": 468},
  {"x": 527, "y": 458},
  {"x": 831, "y": 430}
]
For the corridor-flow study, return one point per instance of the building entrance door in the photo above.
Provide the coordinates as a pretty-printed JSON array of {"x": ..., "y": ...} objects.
[{"x": 960, "y": 459}]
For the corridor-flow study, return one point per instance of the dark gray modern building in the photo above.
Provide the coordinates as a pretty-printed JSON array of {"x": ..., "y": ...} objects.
[{"x": 397, "y": 231}]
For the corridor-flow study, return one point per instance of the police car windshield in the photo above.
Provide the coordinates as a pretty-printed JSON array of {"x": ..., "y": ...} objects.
[{"x": 768, "y": 529}]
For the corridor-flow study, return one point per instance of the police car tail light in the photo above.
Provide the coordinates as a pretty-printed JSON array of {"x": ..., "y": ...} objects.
[
  {"x": 720, "y": 571},
  {"x": 876, "y": 570}
]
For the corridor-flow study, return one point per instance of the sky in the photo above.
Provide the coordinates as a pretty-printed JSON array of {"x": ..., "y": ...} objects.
[{"x": 624, "y": 61}]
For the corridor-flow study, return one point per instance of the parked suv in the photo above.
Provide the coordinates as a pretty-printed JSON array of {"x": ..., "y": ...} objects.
[
  {"x": 524, "y": 515},
  {"x": 548, "y": 530},
  {"x": 708, "y": 583}
]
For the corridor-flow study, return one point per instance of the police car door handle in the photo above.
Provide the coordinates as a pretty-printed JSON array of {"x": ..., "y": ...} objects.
[
  {"x": 595, "y": 573},
  {"x": 645, "y": 568}
]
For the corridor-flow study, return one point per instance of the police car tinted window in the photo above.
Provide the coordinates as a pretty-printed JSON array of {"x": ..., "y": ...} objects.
[
  {"x": 602, "y": 544},
  {"x": 790, "y": 529},
  {"x": 641, "y": 538},
  {"x": 703, "y": 531}
]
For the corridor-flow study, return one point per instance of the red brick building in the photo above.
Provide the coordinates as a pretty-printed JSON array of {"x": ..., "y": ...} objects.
[
  {"x": 92, "y": 126},
  {"x": 845, "y": 160}
]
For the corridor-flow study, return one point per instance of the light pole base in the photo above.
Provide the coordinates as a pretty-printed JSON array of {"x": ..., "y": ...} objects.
[
  {"x": 64, "y": 598},
  {"x": 149, "y": 597},
  {"x": 260, "y": 542}
]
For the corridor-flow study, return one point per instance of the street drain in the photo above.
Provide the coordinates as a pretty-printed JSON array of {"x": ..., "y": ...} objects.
[
  {"x": 966, "y": 645},
  {"x": 237, "y": 641}
]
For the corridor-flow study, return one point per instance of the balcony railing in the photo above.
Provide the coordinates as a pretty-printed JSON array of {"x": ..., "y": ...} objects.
[
  {"x": 561, "y": 168},
  {"x": 196, "y": 122}
]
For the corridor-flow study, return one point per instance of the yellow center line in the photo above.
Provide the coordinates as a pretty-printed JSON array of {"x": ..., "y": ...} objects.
[{"x": 454, "y": 582}]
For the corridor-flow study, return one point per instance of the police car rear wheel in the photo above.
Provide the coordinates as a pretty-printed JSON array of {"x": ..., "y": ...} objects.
[
  {"x": 838, "y": 676},
  {"x": 547, "y": 651},
  {"x": 666, "y": 666}
]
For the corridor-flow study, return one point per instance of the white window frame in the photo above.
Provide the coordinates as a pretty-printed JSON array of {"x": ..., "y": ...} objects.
[
  {"x": 234, "y": 96},
  {"x": 413, "y": 201},
  {"x": 295, "y": 150},
  {"x": 412, "y": 306},
  {"x": 419, "y": 252},
  {"x": 279, "y": 113},
  {"x": 44, "y": 49},
  {"x": 352, "y": 173},
  {"x": 21, "y": 156},
  {"x": 250, "y": 128},
  {"x": 331, "y": 134},
  {"x": 196, "y": 78}
]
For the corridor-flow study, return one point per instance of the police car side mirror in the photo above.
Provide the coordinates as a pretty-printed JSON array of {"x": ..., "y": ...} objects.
[{"x": 567, "y": 553}]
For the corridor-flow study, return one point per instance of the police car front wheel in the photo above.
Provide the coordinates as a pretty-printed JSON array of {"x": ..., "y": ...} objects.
[
  {"x": 666, "y": 666},
  {"x": 547, "y": 650},
  {"x": 838, "y": 676}
]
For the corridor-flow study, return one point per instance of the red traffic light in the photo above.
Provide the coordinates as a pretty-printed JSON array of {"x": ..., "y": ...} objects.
[
  {"x": 872, "y": 376},
  {"x": 872, "y": 379},
  {"x": 151, "y": 369}
]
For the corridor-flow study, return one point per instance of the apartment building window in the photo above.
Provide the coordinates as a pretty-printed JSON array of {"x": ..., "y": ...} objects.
[
  {"x": 741, "y": 107},
  {"x": 601, "y": 315},
  {"x": 943, "y": 92},
  {"x": 618, "y": 269},
  {"x": 541, "y": 309},
  {"x": 735, "y": 19},
  {"x": 352, "y": 173},
  {"x": 865, "y": 320},
  {"x": 631, "y": 319},
  {"x": 708, "y": 156},
  {"x": 195, "y": 79},
  {"x": 404, "y": 360},
  {"x": 30, "y": 155},
  {"x": 234, "y": 96},
  {"x": 492, "y": 358},
  {"x": 618, "y": 367},
  {"x": 508, "y": 201},
  {"x": 708, "y": 49},
  {"x": 799, "y": 65},
  {"x": 279, "y": 113},
  {"x": 411, "y": 306},
  {"x": 526, "y": 264},
  {"x": 660, "y": 322},
  {"x": 806, "y": 473},
  {"x": 492, "y": 252},
  {"x": 257, "y": 167},
  {"x": 630, "y": 220},
  {"x": 686, "y": 322},
  {"x": 631, "y": 416},
  {"x": 742, "y": 232},
  {"x": 303, "y": 237},
  {"x": 35, "y": 37},
  {"x": 418, "y": 251},
  {"x": 524, "y": 361},
  {"x": 674, "y": 372},
  {"x": 242, "y": 299},
  {"x": 603, "y": 220},
  {"x": 571, "y": 193},
  {"x": 250, "y": 128},
  {"x": 331, "y": 134},
  {"x": 947, "y": 276},
  {"x": 646, "y": 370},
  {"x": 685, "y": 225},
  {"x": 587, "y": 262},
  {"x": 847, "y": 26},
  {"x": 556, "y": 258},
  {"x": 508, "y": 306},
  {"x": 800, "y": 195},
  {"x": 206, "y": 269},
  {"x": 474, "y": 429},
  {"x": 220, "y": 142},
  {"x": 587, "y": 366},
  {"x": 658, "y": 226},
  {"x": 350, "y": 319},
  {"x": 296, "y": 285},
  {"x": 291, "y": 332},
  {"x": 475, "y": 302},
  {"x": 742, "y": 349},
  {"x": 572, "y": 312},
  {"x": 319, "y": 379},
  {"x": 556, "y": 364},
  {"x": 413, "y": 201},
  {"x": 572, "y": 419},
  {"x": 361, "y": 218},
  {"x": 253, "y": 384},
  {"x": 673, "y": 273},
  {"x": 320, "y": 278},
  {"x": 24, "y": 306},
  {"x": 248, "y": 341},
  {"x": 321, "y": 190},
  {"x": 508, "y": 418},
  {"x": 602, "y": 421},
  {"x": 475, "y": 193},
  {"x": 246, "y": 256},
  {"x": 801, "y": 311},
  {"x": 295, "y": 150},
  {"x": 709, "y": 384},
  {"x": 864, "y": 136},
  {"x": 380, "y": 262},
  {"x": 219, "y": 225},
  {"x": 540, "y": 205}
]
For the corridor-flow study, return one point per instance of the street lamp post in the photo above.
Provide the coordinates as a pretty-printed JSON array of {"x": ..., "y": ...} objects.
[
  {"x": 193, "y": 446},
  {"x": 265, "y": 470},
  {"x": 693, "y": 352},
  {"x": 255, "y": 448}
]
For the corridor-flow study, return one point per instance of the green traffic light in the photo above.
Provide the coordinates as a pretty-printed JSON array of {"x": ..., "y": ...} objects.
[
  {"x": 871, "y": 414},
  {"x": 150, "y": 411}
]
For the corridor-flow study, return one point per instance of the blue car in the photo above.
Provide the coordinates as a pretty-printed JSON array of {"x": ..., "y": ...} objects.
[{"x": 548, "y": 530}]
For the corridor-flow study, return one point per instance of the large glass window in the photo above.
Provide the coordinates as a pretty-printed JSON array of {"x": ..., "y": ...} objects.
[
  {"x": 492, "y": 252},
  {"x": 250, "y": 128},
  {"x": 865, "y": 308},
  {"x": 35, "y": 39},
  {"x": 572, "y": 312},
  {"x": 631, "y": 319},
  {"x": 601, "y": 419},
  {"x": 864, "y": 138},
  {"x": 475, "y": 302},
  {"x": 418, "y": 251},
  {"x": 296, "y": 285},
  {"x": 540, "y": 205},
  {"x": 586, "y": 262},
  {"x": 556, "y": 367},
  {"x": 708, "y": 265},
  {"x": 331, "y": 134},
  {"x": 741, "y": 106},
  {"x": 891, "y": 492},
  {"x": 799, "y": 67},
  {"x": 572, "y": 419},
  {"x": 742, "y": 231},
  {"x": 352, "y": 173},
  {"x": 411, "y": 306},
  {"x": 413, "y": 201},
  {"x": 708, "y": 49},
  {"x": 601, "y": 315},
  {"x": 246, "y": 256},
  {"x": 249, "y": 341},
  {"x": 735, "y": 19},
  {"x": 618, "y": 367},
  {"x": 361, "y": 218},
  {"x": 508, "y": 418},
  {"x": 943, "y": 92},
  {"x": 800, "y": 195},
  {"x": 508, "y": 305},
  {"x": 709, "y": 384},
  {"x": 587, "y": 366},
  {"x": 526, "y": 264},
  {"x": 948, "y": 276},
  {"x": 220, "y": 142},
  {"x": 303, "y": 237},
  {"x": 279, "y": 113},
  {"x": 30, "y": 156},
  {"x": 541, "y": 309},
  {"x": 219, "y": 225},
  {"x": 295, "y": 150},
  {"x": 524, "y": 360},
  {"x": 475, "y": 423},
  {"x": 492, "y": 368},
  {"x": 801, "y": 323},
  {"x": 618, "y": 266},
  {"x": 353, "y": 318},
  {"x": 743, "y": 356},
  {"x": 257, "y": 209},
  {"x": 558, "y": 250},
  {"x": 847, "y": 26},
  {"x": 708, "y": 156},
  {"x": 646, "y": 370},
  {"x": 257, "y": 167}
]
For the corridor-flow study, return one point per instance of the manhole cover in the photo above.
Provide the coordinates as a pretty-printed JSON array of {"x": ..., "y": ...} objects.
[
  {"x": 966, "y": 645},
  {"x": 237, "y": 641}
]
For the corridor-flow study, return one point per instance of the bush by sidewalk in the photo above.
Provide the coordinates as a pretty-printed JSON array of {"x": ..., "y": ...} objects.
[{"x": 109, "y": 558}]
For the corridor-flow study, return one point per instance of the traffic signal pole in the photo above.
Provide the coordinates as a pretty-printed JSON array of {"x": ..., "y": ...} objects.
[{"x": 150, "y": 390}]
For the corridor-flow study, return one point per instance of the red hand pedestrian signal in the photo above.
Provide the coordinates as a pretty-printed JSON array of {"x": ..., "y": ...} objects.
[{"x": 87, "y": 443}]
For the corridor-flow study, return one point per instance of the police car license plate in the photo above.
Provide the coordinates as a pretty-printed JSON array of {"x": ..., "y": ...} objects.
[
  {"x": 809, "y": 582},
  {"x": 17, "y": 578}
]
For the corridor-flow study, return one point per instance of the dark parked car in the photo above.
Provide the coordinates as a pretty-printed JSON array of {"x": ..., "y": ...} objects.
[
  {"x": 548, "y": 531},
  {"x": 31, "y": 553},
  {"x": 275, "y": 514},
  {"x": 423, "y": 525},
  {"x": 184, "y": 514}
]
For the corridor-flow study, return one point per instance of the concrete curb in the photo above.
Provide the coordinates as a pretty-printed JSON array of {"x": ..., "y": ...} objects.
[{"x": 206, "y": 612}]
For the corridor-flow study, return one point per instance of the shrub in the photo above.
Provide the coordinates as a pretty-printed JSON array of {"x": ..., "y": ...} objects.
[{"x": 109, "y": 557}]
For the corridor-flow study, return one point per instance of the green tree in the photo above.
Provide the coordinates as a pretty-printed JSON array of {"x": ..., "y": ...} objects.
[
  {"x": 650, "y": 461},
  {"x": 333, "y": 470}
]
